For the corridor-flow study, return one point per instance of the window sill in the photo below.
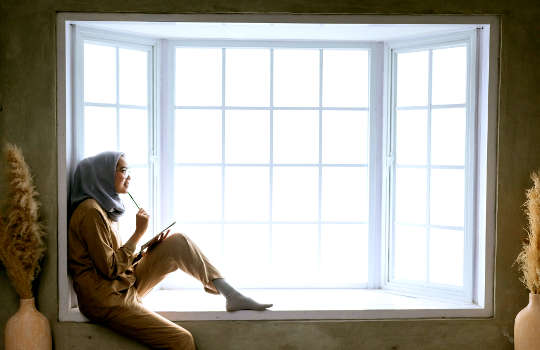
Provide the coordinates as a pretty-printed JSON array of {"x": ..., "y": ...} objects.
[{"x": 299, "y": 304}]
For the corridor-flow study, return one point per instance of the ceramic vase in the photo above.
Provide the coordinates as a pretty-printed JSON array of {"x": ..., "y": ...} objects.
[
  {"x": 527, "y": 325},
  {"x": 28, "y": 329}
]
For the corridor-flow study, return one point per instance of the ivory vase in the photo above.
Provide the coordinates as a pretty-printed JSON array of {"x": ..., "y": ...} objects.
[
  {"x": 28, "y": 329},
  {"x": 527, "y": 325}
]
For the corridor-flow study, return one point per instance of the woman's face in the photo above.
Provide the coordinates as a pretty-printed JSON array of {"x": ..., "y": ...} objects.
[{"x": 121, "y": 177}]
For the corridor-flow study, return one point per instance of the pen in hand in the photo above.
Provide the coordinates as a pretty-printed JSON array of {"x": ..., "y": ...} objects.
[{"x": 130, "y": 196}]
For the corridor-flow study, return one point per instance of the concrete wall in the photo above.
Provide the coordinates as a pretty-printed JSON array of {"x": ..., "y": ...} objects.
[{"x": 28, "y": 118}]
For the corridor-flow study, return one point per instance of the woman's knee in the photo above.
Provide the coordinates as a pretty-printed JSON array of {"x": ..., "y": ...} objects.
[
  {"x": 184, "y": 341},
  {"x": 180, "y": 239}
]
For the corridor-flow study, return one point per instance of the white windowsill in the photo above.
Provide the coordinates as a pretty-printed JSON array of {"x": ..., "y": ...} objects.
[{"x": 183, "y": 305}]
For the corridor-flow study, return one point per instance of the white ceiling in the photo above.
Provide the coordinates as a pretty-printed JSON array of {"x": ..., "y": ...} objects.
[{"x": 275, "y": 31}]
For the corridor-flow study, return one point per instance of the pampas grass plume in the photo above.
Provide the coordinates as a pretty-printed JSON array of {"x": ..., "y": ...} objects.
[
  {"x": 21, "y": 234},
  {"x": 529, "y": 258}
]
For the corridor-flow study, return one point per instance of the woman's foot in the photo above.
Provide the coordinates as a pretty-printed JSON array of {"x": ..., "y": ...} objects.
[
  {"x": 238, "y": 301},
  {"x": 235, "y": 300}
]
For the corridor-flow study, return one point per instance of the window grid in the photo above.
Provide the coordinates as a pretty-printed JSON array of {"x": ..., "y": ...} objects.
[
  {"x": 320, "y": 165},
  {"x": 429, "y": 167}
]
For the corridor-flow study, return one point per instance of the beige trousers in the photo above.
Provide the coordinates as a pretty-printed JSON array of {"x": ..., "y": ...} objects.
[{"x": 135, "y": 321}]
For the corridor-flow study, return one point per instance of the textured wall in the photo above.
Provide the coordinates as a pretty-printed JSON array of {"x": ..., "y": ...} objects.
[{"x": 28, "y": 118}]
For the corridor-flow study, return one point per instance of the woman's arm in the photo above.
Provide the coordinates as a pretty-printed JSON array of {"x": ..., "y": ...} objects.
[{"x": 98, "y": 236}]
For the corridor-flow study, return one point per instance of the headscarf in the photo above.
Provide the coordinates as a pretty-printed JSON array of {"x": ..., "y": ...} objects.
[{"x": 94, "y": 178}]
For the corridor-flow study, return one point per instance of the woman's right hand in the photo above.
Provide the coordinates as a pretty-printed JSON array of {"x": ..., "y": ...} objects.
[{"x": 141, "y": 221}]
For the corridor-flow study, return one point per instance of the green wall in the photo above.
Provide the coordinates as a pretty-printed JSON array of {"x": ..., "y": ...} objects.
[{"x": 28, "y": 118}]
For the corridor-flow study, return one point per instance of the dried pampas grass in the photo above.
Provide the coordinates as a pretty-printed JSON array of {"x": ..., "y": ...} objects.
[
  {"x": 21, "y": 235},
  {"x": 529, "y": 258}
]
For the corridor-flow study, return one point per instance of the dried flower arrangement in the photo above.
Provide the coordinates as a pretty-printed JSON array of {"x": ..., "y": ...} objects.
[
  {"x": 21, "y": 234},
  {"x": 529, "y": 258}
]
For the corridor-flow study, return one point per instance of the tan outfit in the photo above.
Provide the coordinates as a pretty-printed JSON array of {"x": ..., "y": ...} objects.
[{"x": 109, "y": 286}]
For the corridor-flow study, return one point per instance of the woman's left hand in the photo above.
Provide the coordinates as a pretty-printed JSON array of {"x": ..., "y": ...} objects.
[{"x": 156, "y": 240}]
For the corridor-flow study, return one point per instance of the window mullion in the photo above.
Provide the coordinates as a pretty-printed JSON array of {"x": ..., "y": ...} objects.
[
  {"x": 319, "y": 189},
  {"x": 428, "y": 175}
]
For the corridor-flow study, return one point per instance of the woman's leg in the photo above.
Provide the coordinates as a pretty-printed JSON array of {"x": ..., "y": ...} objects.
[
  {"x": 149, "y": 328},
  {"x": 175, "y": 252},
  {"x": 178, "y": 251}
]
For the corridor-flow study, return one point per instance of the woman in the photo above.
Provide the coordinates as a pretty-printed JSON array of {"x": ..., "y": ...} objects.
[{"x": 107, "y": 278}]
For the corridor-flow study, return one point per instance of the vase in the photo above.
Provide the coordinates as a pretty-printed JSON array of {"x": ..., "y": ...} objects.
[
  {"x": 527, "y": 325},
  {"x": 28, "y": 329}
]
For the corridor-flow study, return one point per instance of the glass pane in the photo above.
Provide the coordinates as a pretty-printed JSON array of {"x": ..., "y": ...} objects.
[
  {"x": 247, "y": 136},
  {"x": 447, "y": 197},
  {"x": 295, "y": 193},
  {"x": 197, "y": 136},
  {"x": 412, "y": 78},
  {"x": 344, "y": 253},
  {"x": 410, "y": 204},
  {"x": 446, "y": 257},
  {"x": 133, "y": 76},
  {"x": 448, "y": 136},
  {"x": 296, "y": 137},
  {"x": 99, "y": 130},
  {"x": 411, "y": 137},
  {"x": 247, "y": 77},
  {"x": 99, "y": 73},
  {"x": 197, "y": 193},
  {"x": 296, "y": 77},
  {"x": 134, "y": 135},
  {"x": 247, "y": 193},
  {"x": 294, "y": 253},
  {"x": 208, "y": 238},
  {"x": 345, "y": 194},
  {"x": 198, "y": 77},
  {"x": 345, "y": 78},
  {"x": 345, "y": 137},
  {"x": 247, "y": 254},
  {"x": 410, "y": 253},
  {"x": 139, "y": 188},
  {"x": 449, "y": 75}
]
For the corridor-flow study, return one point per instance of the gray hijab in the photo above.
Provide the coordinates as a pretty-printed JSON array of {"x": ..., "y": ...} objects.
[{"x": 94, "y": 178}]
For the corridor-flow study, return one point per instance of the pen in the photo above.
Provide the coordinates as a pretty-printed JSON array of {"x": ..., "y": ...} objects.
[{"x": 130, "y": 196}]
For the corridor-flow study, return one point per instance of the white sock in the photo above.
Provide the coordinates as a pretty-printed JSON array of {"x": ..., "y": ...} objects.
[{"x": 235, "y": 300}]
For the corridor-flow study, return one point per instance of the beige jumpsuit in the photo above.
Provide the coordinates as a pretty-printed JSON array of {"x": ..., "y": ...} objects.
[{"x": 109, "y": 287}]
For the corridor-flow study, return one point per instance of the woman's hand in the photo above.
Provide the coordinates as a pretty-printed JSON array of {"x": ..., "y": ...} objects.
[
  {"x": 141, "y": 221},
  {"x": 148, "y": 246}
]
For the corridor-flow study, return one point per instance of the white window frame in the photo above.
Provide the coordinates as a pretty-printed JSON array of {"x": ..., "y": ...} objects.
[
  {"x": 486, "y": 156},
  {"x": 470, "y": 167},
  {"x": 374, "y": 50}
]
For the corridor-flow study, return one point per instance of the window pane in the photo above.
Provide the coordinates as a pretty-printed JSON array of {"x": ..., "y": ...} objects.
[
  {"x": 411, "y": 137},
  {"x": 296, "y": 137},
  {"x": 208, "y": 238},
  {"x": 99, "y": 130},
  {"x": 446, "y": 257},
  {"x": 447, "y": 197},
  {"x": 345, "y": 194},
  {"x": 133, "y": 75},
  {"x": 198, "y": 77},
  {"x": 197, "y": 136},
  {"x": 410, "y": 253},
  {"x": 247, "y": 136},
  {"x": 247, "y": 254},
  {"x": 410, "y": 202},
  {"x": 197, "y": 193},
  {"x": 296, "y": 77},
  {"x": 99, "y": 73},
  {"x": 295, "y": 193},
  {"x": 344, "y": 253},
  {"x": 412, "y": 78},
  {"x": 449, "y": 75},
  {"x": 247, "y": 77},
  {"x": 294, "y": 253},
  {"x": 134, "y": 135},
  {"x": 345, "y": 137},
  {"x": 448, "y": 136},
  {"x": 345, "y": 78},
  {"x": 247, "y": 193}
]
